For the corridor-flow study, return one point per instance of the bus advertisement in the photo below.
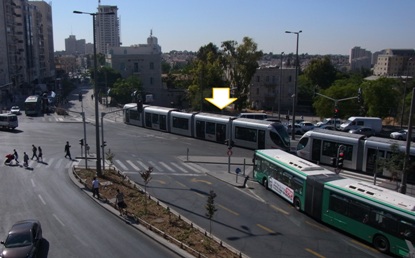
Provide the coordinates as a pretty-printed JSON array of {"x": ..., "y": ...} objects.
[
  {"x": 33, "y": 105},
  {"x": 379, "y": 216}
]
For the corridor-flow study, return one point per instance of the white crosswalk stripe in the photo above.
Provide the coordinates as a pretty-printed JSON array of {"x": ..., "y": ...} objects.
[
  {"x": 190, "y": 167},
  {"x": 58, "y": 164},
  {"x": 155, "y": 166},
  {"x": 133, "y": 165},
  {"x": 121, "y": 164},
  {"x": 202, "y": 169},
  {"x": 179, "y": 167},
  {"x": 142, "y": 165},
  {"x": 166, "y": 166}
]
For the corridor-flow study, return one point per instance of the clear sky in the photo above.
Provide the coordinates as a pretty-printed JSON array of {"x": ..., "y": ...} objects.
[{"x": 328, "y": 26}]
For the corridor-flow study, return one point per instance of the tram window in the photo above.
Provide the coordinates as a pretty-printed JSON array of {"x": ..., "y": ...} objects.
[
  {"x": 181, "y": 123},
  {"x": 245, "y": 134},
  {"x": 329, "y": 149},
  {"x": 275, "y": 138},
  {"x": 210, "y": 128},
  {"x": 155, "y": 118},
  {"x": 148, "y": 120},
  {"x": 163, "y": 122},
  {"x": 302, "y": 143},
  {"x": 134, "y": 115}
]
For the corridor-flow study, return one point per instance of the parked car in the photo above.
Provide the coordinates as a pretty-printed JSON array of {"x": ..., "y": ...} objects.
[
  {"x": 364, "y": 131},
  {"x": 327, "y": 127},
  {"x": 15, "y": 110},
  {"x": 330, "y": 121},
  {"x": 23, "y": 239},
  {"x": 306, "y": 126},
  {"x": 402, "y": 135},
  {"x": 297, "y": 129}
]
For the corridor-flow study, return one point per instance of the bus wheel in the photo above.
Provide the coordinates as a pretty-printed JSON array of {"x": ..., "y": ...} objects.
[
  {"x": 297, "y": 204},
  {"x": 381, "y": 243}
]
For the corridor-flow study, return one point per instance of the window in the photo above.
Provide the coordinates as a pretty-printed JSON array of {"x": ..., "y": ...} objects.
[
  {"x": 135, "y": 67},
  {"x": 151, "y": 80},
  {"x": 210, "y": 128},
  {"x": 257, "y": 91},
  {"x": 245, "y": 134},
  {"x": 151, "y": 66},
  {"x": 155, "y": 118},
  {"x": 181, "y": 123}
]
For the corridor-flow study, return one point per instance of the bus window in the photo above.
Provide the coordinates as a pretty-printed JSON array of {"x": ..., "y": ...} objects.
[{"x": 297, "y": 185}]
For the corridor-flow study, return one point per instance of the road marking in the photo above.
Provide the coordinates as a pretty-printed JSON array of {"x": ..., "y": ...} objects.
[
  {"x": 191, "y": 168},
  {"x": 56, "y": 217},
  {"x": 160, "y": 181},
  {"x": 133, "y": 165},
  {"x": 155, "y": 166},
  {"x": 57, "y": 165},
  {"x": 68, "y": 164},
  {"x": 50, "y": 161},
  {"x": 166, "y": 166},
  {"x": 33, "y": 182},
  {"x": 181, "y": 184},
  {"x": 174, "y": 174},
  {"x": 228, "y": 210},
  {"x": 265, "y": 228},
  {"x": 121, "y": 164},
  {"x": 142, "y": 164},
  {"x": 314, "y": 253},
  {"x": 179, "y": 167},
  {"x": 194, "y": 180},
  {"x": 204, "y": 170},
  {"x": 365, "y": 246},
  {"x": 41, "y": 199},
  {"x": 279, "y": 209},
  {"x": 317, "y": 226}
]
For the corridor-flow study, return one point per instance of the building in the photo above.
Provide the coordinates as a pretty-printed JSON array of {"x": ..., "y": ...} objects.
[
  {"x": 395, "y": 62},
  {"x": 74, "y": 46},
  {"x": 107, "y": 28},
  {"x": 4, "y": 63},
  {"x": 265, "y": 87},
  {"x": 143, "y": 61},
  {"x": 360, "y": 59}
]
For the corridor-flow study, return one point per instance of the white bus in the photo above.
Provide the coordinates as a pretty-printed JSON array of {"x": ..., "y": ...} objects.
[{"x": 8, "y": 121}]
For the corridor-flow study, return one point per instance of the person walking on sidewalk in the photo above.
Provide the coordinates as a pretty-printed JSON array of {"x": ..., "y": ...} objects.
[
  {"x": 67, "y": 150},
  {"x": 120, "y": 201},
  {"x": 34, "y": 150},
  {"x": 16, "y": 156},
  {"x": 40, "y": 155},
  {"x": 95, "y": 187}
]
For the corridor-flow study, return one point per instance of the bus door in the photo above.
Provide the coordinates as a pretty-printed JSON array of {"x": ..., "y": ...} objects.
[
  {"x": 261, "y": 139},
  {"x": 200, "y": 129},
  {"x": 316, "y": 150}
]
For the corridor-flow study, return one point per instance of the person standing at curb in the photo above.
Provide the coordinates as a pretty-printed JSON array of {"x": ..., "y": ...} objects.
[
  {"x": 40, "y": 155},
  {"x": 67, "y": 150},
  {"x": 16, "y": 156},
  {"x": 34, "y": 150},
  {"x": 95, "y": 187}
]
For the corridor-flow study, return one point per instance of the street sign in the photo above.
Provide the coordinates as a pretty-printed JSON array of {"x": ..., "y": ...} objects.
[{"x": 237, "y": 170}]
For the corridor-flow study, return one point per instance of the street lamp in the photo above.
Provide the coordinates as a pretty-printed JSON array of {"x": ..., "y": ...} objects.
[
  {"x": 98, "y": 162},
  {"x": 404, "y": 91},
  {"x": 279, "y": 90},
  {"x": 295, "y": 83}
]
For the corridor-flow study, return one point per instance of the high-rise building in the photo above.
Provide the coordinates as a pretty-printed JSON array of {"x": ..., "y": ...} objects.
[
  {"x": 107, "y": 28},
  {"x": 360, "y": 58},
  {"x": 74, "y": 46}
]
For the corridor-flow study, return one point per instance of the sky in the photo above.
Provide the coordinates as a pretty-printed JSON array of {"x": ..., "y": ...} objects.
[{"x": 328, "y": 26}]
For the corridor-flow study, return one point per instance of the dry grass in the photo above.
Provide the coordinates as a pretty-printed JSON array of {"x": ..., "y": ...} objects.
[{"x": 159, "y": 218}]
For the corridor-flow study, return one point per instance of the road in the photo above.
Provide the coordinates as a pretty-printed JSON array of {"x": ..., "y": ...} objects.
[{"x": 252, "y": 220}]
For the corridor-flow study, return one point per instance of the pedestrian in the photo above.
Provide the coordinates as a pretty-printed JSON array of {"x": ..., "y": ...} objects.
[
  {"x": 34, "y": 150},
  {"x": 92, "y": 96},
  {"x": 67, "y": 150},
  {"x": 40, "y": 155},
  {"x": 25, "y": 159},
  {"x": 120, "y": 201},
  {"x": 95, "y": 187},
  {"x": 16, "y": 156}
]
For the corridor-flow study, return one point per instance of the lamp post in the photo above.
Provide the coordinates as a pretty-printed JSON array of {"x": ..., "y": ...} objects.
[
  {"x": 295, "y": 83},
  {"x": 404, "y": 92},
  {"x": 279, "y": 90},
  {"x": 98, "y": 151}
]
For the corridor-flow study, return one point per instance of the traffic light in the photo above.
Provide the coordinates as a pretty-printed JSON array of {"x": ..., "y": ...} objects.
[
  {"x": 229, "y": 143},
  {"x": 340, "y": 156},
  {"x": 81, "y": 141},
  {"x": 104, "y": 144},
  {"x": 359, "y": 95},
  {"x": 336, "y": 112},
  {"x": 80, "y": 96},
  {"x": 139, "y": 105}
]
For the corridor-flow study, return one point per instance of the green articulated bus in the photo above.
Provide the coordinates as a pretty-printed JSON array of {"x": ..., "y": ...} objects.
[{"x": 379, "y": 216}]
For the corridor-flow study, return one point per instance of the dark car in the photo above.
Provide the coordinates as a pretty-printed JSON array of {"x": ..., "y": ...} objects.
[
  {"x": 364, "y": 131},
  {"x": 23, "y": 239}
]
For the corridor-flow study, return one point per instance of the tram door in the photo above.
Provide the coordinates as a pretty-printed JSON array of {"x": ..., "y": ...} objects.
[
  {"x": 220, "y": 132},
  {"x": 261, "y": 139},
  {"x": 316, "y": 150},
  {"x": 371, "y": 161},
  {"x": 200, "y": 129}
]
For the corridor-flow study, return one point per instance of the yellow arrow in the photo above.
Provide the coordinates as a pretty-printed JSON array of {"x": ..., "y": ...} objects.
[{"x": 221, "y": 97}]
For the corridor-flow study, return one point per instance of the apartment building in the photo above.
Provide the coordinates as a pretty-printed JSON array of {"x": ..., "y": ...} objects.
[
  {"x": 266, "y": 84},
  {"x": 143, "y": 61},
  {"x": 107, "y": 28},
  {"x": 74, "y": 46},
  {"x": 360, "y": 59},
  {"x": 395, "y": 62}
]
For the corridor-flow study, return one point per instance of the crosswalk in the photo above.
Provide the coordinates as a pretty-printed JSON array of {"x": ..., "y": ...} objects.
[
  {"x": 159, "y": 167},
  {"x": 54, "y": 163}
]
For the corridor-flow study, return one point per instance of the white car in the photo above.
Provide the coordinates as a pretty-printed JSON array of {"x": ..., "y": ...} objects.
[
  {"x": 15, "y": 110},
  {"x": 306, "y": 126},
  {"x": 401, "y": 135}
]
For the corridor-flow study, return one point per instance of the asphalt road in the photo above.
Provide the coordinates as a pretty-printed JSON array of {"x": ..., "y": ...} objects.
[{"x": 252, "y": 220}]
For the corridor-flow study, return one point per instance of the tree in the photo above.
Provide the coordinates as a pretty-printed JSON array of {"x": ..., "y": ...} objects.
[
  {"x": 206, "y": 73},
  {"x": 123, "y": 88},
  {"x": 393, "y": 164},
  {"x": 321, "y": 72},
  {"x": 210, "y": 208},
  {"x": 240, "y": 63},
  {"x": 146, "y": 176}
]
